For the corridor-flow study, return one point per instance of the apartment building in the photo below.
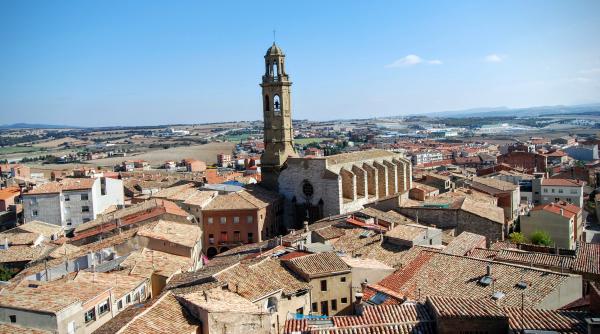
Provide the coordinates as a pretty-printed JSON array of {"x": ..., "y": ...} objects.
[
  {"x": 72, "y": 201},
  {"x": 330, "y": 281},
  {"x": 562, "y": 221},
  {"x": 554, "y": 190}
]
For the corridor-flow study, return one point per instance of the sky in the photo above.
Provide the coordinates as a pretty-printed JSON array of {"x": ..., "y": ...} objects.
[{"x": 125, "y": 62}]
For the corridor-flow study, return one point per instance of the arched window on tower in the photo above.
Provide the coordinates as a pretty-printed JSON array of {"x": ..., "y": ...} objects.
[
  {"x": 274, "y": 70},
  {"x": 277, "y": 105},
  {"x": 267, "y": 103}
]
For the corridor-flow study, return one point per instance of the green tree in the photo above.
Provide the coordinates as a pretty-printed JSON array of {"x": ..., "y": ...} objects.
[
  {"x": 541, "y": 238},
  {"x": 5, "y": 273},
  {"x": 517, "y": 238}
]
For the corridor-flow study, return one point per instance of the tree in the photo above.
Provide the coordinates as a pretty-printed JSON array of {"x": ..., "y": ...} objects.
[
  {"x": 541, "y": 238},
  {"x": 517, "y": 238},
  {"x": 5, "y": 273}
]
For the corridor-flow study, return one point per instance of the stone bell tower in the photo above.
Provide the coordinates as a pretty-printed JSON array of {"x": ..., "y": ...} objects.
[{"x": 277, "y": 115}]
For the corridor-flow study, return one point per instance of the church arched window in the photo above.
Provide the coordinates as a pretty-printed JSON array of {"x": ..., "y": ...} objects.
[
  {"x": 267, "y": 103},
  {"x": 307, "y": 189},
  {"x": 276, "y": 104}
]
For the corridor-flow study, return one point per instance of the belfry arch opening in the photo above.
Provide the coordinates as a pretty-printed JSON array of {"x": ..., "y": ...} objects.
[{"x": 277, "y": 104}]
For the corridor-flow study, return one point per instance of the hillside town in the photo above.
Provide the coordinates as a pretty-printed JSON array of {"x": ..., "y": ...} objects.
[{"x": 364, "y": 226}]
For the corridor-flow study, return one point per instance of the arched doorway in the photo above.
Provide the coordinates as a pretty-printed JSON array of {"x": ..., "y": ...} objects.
[
  {"x": 224, "y": 249},
  {"x": 211, "y": 252}
]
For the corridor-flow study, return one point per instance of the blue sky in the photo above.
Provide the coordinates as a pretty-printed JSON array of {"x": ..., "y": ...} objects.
[{"x": 96, "y": 63}]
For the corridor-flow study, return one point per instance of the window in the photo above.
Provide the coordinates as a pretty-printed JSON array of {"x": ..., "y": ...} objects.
[
  {"x": 103, "y": 307},
  {"x": 553, "y": 190},
  {"x": 210, "y": 220},
  {"x": 324, "y": 307},
  {"x": 90, "y": 315},
  {"x": 569, "y": 200},
  {"x": 314, "y": 307},
  {"x": 223, "y": 220},
  {"x": 128, "y": 299},
  {"x": 334, "y": 305},
  {"x": 211, "y": 239},
  {"x": 236, "y": 220},
  {"x": 85, "y": 220},
  {"x": 120, "y": 305},
  {"x": 34, "y": 213},
  {"x": 276, "y": 105},
  {"x": 574, "y": 191},
  {"x": 67, "y": 198},
  {"x": 84, "y": 197},
  {"x": 560, "y": 191},
  {"x": 343, "y": 279},
  {"x": 323, "y": 285},
  {"x": 224, "y": 236},
  {"x": 300, "y": 310},
  {"x": 344, "y": 300},
  {"x": 250, "y": 237},
  {"x": 236, "y": 235},
  {"x": 13, "y": 318},
  {"x": 71, "y": 327},
  {"x": 307, "y": 189},
  {"x": 249, "y": 219},
  {"x": 85, "y": 208},
  {"x": 69, "y": 222}
]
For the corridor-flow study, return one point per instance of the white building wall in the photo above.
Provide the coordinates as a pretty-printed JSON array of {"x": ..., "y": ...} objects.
[{"x": 49, "y": 208}]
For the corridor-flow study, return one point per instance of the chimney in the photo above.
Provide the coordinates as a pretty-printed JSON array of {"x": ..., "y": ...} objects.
[
  {"x": 562, "y": 212},
  {"x": 358, "y": 305},
  {"x": 306, "y": 226},
  {"x": 488, "y": 270},
  {"x": 363, "y": 285}
]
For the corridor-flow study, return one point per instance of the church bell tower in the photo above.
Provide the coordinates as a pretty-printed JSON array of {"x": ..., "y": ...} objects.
[{"x": 278, "y": 133}]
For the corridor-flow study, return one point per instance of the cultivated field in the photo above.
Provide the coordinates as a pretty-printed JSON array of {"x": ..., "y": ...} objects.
[{"x": 207, "y": 153}]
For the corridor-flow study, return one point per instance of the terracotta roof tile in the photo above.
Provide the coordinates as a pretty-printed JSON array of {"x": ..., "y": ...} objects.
[
  {"x": 63, "y": 185},
  {"x": 566, "y": 322},
  {"x": 165, "y": 316},
  {"x": 317, "y": 265},
  {"x": 446, "y": 307},
  {"x": 464, "y": 243}
]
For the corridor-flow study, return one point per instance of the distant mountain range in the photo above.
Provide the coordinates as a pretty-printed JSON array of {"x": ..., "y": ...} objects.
[
  {"x": 37, "y": 126},
  {"x": 532, "y": 111}
]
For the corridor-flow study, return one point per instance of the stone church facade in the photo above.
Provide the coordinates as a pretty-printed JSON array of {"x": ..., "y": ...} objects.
[{"x": 337, "y": 184}]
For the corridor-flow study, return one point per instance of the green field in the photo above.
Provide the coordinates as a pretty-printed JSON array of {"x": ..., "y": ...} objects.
[
  {"x": 19, "y": 149},
  {"x": 306, "y": 141}
]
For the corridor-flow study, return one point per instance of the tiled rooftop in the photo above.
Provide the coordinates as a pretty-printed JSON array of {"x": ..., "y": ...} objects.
[
  {"x": 14, "y": 329},
  {"x": 257, "y": 278},
  {"x": 165, "y": 316},
  {"x": 24, "y": 253},
  {"x": 464, "y": 243},
  {"x": 562, "y": 183},
  {"x": 445, "y": 307},
  {"x": 219, "y": 300},
  {"x": 406, "y": 231},
  {"x": 566, "y": 322},
  {"x": 52, "y": 296},
  {"x": 174, "y": 232},
  {"x": 63, "y": 185},
  {"x": 40, "y": 227},
  {"x": 121, "y": 284},
  {"x": 317, "y": 265},
  {"x": 456, "y": 276},
  {"x": 145, "y": 262}
]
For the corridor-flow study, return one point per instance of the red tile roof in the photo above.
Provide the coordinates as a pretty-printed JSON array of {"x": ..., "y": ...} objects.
[
  {"x": 7, "y": 193},
  {"x": 562, "y": 183}
]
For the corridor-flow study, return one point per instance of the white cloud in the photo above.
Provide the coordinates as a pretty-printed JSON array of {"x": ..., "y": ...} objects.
[
  {"x": 412, "y": 60},
  {"x": 493, "y": 58}
]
